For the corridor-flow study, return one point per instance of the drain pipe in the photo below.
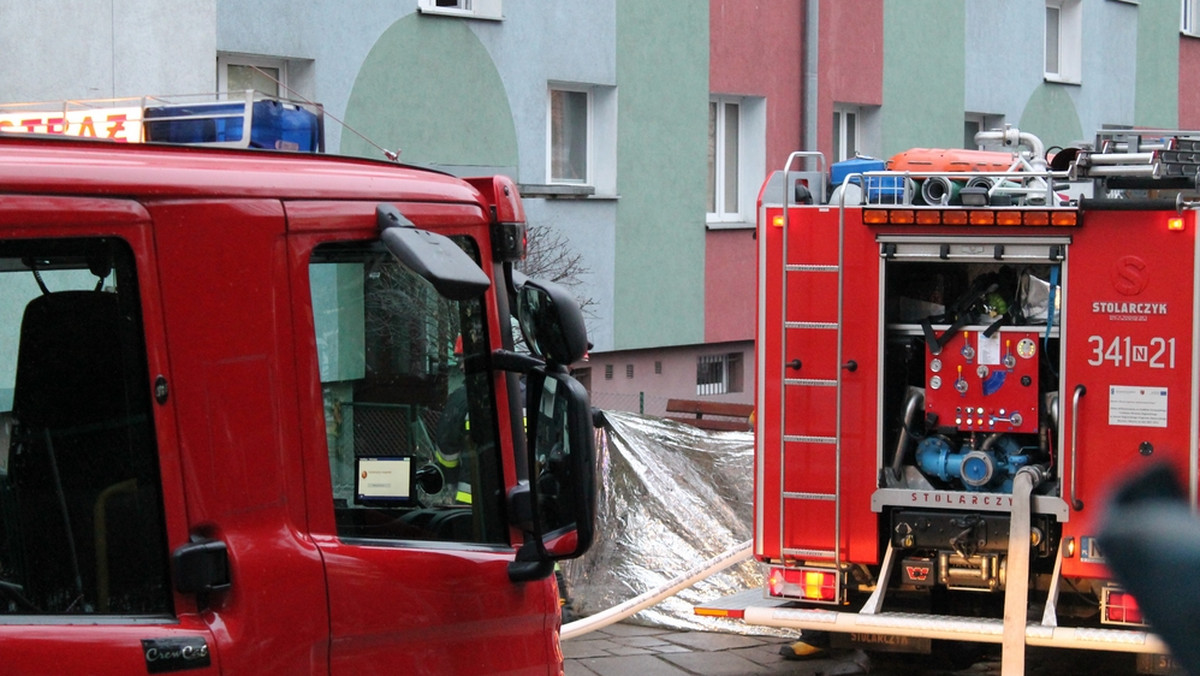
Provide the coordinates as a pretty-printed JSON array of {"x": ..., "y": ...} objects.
[
  {"x": 812, "y": 48},
  {"x": 1016, "y": 590},
  {"x": 670, "y": 588}
]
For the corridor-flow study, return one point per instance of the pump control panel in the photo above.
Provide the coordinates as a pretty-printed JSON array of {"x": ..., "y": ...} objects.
[{"x": 982, "y": 383}]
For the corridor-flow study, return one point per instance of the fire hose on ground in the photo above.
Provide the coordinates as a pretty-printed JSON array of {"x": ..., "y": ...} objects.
[{"x": 649, "y": 598}]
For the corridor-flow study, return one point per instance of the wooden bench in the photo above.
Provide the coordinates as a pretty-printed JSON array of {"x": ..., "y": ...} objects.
[{"x": 711, "y": 415}]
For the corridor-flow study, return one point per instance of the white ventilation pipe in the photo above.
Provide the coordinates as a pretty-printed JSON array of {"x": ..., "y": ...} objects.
[{"x": 1012, "y": 137}]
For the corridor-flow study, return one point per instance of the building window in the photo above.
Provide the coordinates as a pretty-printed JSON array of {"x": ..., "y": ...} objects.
[
  {"x": 468, "y": 9},
  {"x": 608, "y": 371},
  {"x": 629, "y": 370},
  {"x": 1189, "y": 23},
  {"x": 1064, "y": 35},
  {"x": 658, "y": 368},
  {"x": 239, "y": 72},
  {"x": 724, "y": 133},
  {"x": 845, "y": 132},
  {"x": 719, "y": 373},
  {"x": 570, "y": 127},
  {"x": 737, "y": 132}
]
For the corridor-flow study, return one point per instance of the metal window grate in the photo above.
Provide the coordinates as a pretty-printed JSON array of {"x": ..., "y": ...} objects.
[{"x": 712, "y": 374}]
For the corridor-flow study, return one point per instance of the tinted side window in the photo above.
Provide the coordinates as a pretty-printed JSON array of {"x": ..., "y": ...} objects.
[
  {"x": 81, "y": 526},
  {"x": 409, "y": 411}
]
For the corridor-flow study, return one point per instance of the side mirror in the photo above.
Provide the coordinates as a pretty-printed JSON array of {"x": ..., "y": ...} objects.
[
  {"x": 551, "y": 321},
  {"x": 562, "y": 464},
  {"x": 434, "y": 257}
]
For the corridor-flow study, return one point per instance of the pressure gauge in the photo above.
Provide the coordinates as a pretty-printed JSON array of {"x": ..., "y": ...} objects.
[
  {"x": 935, "y": 382},
  {"x": 1026, "y": 348}
]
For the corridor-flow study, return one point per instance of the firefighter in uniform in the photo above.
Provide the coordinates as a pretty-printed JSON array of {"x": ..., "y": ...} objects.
[{"x": 454, "y": 436}]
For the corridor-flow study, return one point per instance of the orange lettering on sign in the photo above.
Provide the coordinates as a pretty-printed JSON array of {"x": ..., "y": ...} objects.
[
  {"x": 117, "y": 123},
  {"x": 87, "y": 127}
]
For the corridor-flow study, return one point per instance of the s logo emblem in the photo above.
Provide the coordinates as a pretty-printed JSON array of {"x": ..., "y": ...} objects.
[{"x": 1129, "y": 275}]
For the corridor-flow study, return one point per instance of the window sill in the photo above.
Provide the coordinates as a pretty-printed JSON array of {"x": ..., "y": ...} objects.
[
  {"x": 459, "y": 13},
  {"x": 1058, "y": 79},
  {"x": 729, "y": 225},
  {"x": 1189, "y": 34},
  {"x": 556, "y": 191}
]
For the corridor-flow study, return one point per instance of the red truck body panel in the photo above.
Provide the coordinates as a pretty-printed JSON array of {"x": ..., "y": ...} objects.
[
  {"x": 940, "y": 381},
  {"x": 222, "y": 243}
]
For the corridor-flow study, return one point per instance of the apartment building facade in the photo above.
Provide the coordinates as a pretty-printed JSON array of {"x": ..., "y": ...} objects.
[{"x": 638, "y": 132}]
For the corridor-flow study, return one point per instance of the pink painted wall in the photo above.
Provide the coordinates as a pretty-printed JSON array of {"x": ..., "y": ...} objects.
[
  {"x": 729, "y": 285},
  {"x": 850, "y": 67},
  {"x": 756, "y": 48},
  {"x": 1189, "y": 83}
]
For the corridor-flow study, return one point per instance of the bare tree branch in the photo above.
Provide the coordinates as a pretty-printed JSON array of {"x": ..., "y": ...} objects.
[{"x": 549, "y": 256}]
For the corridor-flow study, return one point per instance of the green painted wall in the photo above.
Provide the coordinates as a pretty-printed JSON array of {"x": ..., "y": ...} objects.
[
  {"x": 662, "y": 79},
  {"x": 1156, "y": 102},
  {"x": 923, "y": 74},
  {"x": 1051, "y": 115},
  {"x": 430, "y": 89}
]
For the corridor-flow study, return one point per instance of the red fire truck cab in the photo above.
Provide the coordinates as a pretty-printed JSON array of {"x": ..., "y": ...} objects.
[
  {"x": 261, "y": 413},
  {"x": 959, "y": 357}
]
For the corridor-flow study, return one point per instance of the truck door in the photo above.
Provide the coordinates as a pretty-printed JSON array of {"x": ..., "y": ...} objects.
[
  {"x": 1127, "y": 393},
  {"x": 408, "y": 503},
  {"x": 90, "y": 488}
]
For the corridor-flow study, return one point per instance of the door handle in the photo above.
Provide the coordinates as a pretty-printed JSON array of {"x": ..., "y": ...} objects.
[{"x": 1080, "y": 390}]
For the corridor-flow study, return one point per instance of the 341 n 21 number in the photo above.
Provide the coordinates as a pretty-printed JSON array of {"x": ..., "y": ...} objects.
[{"x": 1120, "y": 351}]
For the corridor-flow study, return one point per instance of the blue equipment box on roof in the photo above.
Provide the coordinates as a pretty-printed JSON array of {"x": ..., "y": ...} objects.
[
  {"x": 880, "y": 190},
  {"x": 261, "y": 123}
]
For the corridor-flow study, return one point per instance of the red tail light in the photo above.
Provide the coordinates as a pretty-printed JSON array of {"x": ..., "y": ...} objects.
[
  {"x": 1119, "y": 607},
  {"x": 808, "y": 584}
]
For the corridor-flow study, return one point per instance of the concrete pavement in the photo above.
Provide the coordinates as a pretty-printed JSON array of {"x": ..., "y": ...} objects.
[
  {"x": 634, "y": 650},
  {"x": 624, "y": 649}
]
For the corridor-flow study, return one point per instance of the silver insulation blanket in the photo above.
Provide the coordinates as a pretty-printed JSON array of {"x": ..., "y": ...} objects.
[{"x": 671, "y": 496}]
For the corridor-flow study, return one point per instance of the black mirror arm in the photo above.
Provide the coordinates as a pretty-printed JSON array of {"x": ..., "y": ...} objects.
[
  {"x": 507, "y": 360},
  {"x": 529, "y": 564}
]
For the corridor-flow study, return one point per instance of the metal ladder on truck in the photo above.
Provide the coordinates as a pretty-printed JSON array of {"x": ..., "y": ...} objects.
[{"x": 793, "y": 381}]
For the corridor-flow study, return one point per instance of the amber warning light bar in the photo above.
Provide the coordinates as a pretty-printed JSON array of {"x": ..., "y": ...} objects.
[{"x": 1000, "y": 216}]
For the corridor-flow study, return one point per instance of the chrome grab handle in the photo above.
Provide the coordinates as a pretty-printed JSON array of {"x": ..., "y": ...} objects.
[{"x": 1080, "y": 390}]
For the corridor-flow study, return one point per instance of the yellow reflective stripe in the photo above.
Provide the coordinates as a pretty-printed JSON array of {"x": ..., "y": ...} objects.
[{"x": 443, "y": 460}]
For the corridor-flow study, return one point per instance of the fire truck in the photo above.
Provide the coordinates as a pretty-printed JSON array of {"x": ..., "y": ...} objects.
[
  {"x": 278, "y": 413},
  {"x": 960, "y": 354}
]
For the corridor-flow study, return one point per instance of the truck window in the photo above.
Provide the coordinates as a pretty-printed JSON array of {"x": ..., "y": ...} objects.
[
  {"x": 81, "y": 525},
  {"x": 408, "y": 405}
]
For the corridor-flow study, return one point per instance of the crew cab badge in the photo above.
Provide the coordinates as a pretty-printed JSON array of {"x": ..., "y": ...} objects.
[{"x": 175, "y": 654}]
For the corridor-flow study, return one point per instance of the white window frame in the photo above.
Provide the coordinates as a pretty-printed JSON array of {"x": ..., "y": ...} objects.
[
  {"x": 847, "y": 124},
  {"x": 1064, "y": 42},
  {"x": 491, "y": 10},
  {"x": 718, "y": 173},
  {"x": 224, "y": 61},
  {"x": 751, "y": 162},
  {"x": 1189, "y": 18},
  {"x": 589, "y": 145}
]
